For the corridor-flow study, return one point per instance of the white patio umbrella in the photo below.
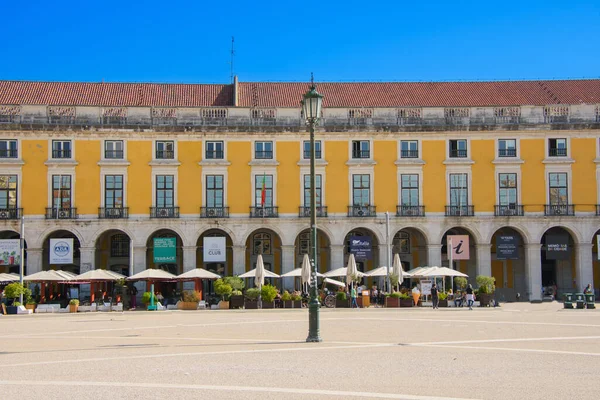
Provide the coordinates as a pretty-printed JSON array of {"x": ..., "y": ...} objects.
[
  {"x": 351, "y": 270},
  {"x": 305, "y": 271},
  {"x": 50, "y": 276},
  {"x": 334, "y": 282},
  {"x": 296, "y": 273},
  {"x": 98, "y": 275},
  {"x": 339, "y": 272},
  {"x": 442, "y": 271},
  {"x": 8, "y": 278},
  {"x": 381, "y": 271},
  {"x": 152, "y": 275},
  {"x": 397, "y": 269},
  {"x": 252, "y": 274},
  {"x": 197, "y": 273},
  {"x": 259, "y": 277}
]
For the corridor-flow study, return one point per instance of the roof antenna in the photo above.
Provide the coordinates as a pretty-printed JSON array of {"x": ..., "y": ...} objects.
[{"x": 232, "y": 56}]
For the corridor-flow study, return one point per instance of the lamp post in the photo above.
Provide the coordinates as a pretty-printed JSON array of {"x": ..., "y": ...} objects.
[{"x": 311, "y": 106}]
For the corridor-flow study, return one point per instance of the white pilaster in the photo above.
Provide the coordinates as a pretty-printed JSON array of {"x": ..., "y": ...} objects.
[
  {"x": 533, "y": 269},
  {"x": 34, "y": 261},
  {"x": 189, "y": 258},
  {"x": 337, "y": 256},
  {"x": 434, "y": 255},
  {"x": 239, "y": 259},
  {"x": 287, "y": 264},
  {"x": 484, "y": 259},
  {"x": 584, "y": 266},
  {"x": 139, "y": 259},
  {"x": 87, "y": 259}
]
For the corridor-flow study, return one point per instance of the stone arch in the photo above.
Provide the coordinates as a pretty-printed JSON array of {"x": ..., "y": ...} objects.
[
  {"x": 509, "y": 270},
  {"x": 420, "y": 230},
  {"x": 557, "y": 267},
  {"x": 174, "y": 268},
  {"x": 225, "y": 229},
  {"x": 176, "y": 229},
  {"x": 376, "y": 242},
  {"x": 223, "y": 268},
  {"x": 410, "y": 244},
  {"x": 525, "y": 235},
  {"x": 101, "y": 231},
  {"x": 301, "y": 247},
  {"x": 113, "y": 251},
  {"x": 75, "y": 266},
  {"x": 268, "y": 242},
  {"x": 474, "y": 233},
  {"x": 46, "y": 234},
  {"x": 575, "y": 234},
  {"x": 10, "y": 262}
]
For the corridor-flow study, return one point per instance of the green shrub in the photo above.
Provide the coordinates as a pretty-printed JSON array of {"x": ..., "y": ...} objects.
[
  {"x": 191, "y": 296},
  {"x": 296, "y": 297},
  {"x": 15, "y": 290},
  {"x": 236, "y": 283},
  {"x": 461, "y": 282},
  {"x": 395, "y": 295},
  {"x": 146, "y": 298},
  {"x": 394, "y": 280},
  {"x": 268, "y": 293},
  {"x": 341, "y": 296},
  {"x": 442, "y": 296},
  {"x": 236, "y": 293},
  {"x": 16, "y": 304},
  {"x": 486, "y": 284},
  {"x": 223, "y": 289},
  {"x": 286, "y": 296},
  {"x": 252, "y": 293},
  {"x": 404, "y": 296},
  {"x": 30, "y": 301},
  {"x": 74, "y": 302}
]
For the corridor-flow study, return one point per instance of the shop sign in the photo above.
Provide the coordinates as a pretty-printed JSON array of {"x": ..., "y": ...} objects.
[
  {"x": 360, "y": 246},
  {"x": 557, "y": 247},
  {"x": 426, "y": 287},
  {"x": 459, "y": 245},
  {"x": 165, "y": 250},
  {"x": 214, "y": 249},
  {"x": 10, "y": 252},
  {"x": 61, "y": 251},
  {"x": 507, "y": 247}
]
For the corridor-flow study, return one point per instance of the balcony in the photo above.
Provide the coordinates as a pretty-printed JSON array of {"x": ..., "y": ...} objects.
[
  {"x": 61, "y": 153},
  {"x": 11, "y": 213},
  {"x": 455, "y": 153},
  {"x": 263, "y": 155},
  {"x": 113, "y": 154},
  {"x": 9, "y": 153},
  {"x": 557, "y": 152},
  {"x": 304, "y": 212},
  {"x": 507, "y": 152},
  {"x": 362, "y": 211},
  {"x": 361, "y": 154},
  {"x": 317, "y": 154},
  {"x": 61, "y": 213},
  {"x": 165, "y": 154},
  {"x": 264, "y": 212},
  {"x": 559, "y": 210},
  {"x": 214, "y": 212},
  {"x": 164, "y": 212},
  {"x": 410, "y": 211},
  {"x": 508, "y": 210},
  {"x": 409, "y": 153},
  {"x": 113, "y": 212},
  {"x": 460, "y": 211},
  {"x": 214, "y": 155}
]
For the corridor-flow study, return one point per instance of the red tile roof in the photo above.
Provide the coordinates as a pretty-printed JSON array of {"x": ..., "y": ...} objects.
[{"x": 283, "y": 94}]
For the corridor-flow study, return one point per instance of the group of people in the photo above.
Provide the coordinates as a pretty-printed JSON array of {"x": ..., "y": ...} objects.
[{"x": 468, "y": 296}]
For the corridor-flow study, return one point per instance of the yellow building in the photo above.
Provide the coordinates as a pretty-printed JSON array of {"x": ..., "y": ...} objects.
[{"x": 513, "y": 165}]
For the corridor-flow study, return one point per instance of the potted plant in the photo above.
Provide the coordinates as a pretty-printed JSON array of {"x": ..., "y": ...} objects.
[
  {"x": 30, "y": 304},
  {"x": 486, "y": 289},
  {"x": 341, "y": 300},
  {"x": 268, "y": 294},
  {"x": 286, "y": 298},
  {"x": 296, "y": 300},
  {"x": 14, "y": 291},
  {"x": 223, "y": 289},
  {"x": 251, "y": 299},
  {"x": 392, "y": 300},
  {"x": 443, "y": 299},
  {"x": 146, "y": 298},
  {"x": 461, "y": 283},
  {"x": 73, "y": 305},
  {"x": 406, "y": 300},
  {"x": 190, "y": 300},
  {"x": 236, "y": 300}
]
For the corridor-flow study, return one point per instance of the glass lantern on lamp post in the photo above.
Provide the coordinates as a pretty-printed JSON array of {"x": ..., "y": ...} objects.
[{"x": 311, "y": 107}]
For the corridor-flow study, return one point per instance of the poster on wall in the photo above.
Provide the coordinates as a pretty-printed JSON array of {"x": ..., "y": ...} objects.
[
  {"x": 507, "y": 247},
  {"x": 61, "y": 251},
  {"x": 557, "y": 247},
  {"x": 10, "y": 252},
  {"x": 165, "y": 250},
  {"x": 459, "y": 245},
  {"x": 214, "y": 249},
  {"x": 360, "y": 246}
]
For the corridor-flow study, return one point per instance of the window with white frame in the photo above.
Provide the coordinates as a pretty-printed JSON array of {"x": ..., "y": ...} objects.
[
  {"x": 409, "y": 195},
  {"x": 61, "y": 149},
  {"x": 263, "y": 190},
  {"x": 318, "y": 191},
  {"x": 263, "y": 150},
  {"x": 113, "y": 149},
  {"x": 113, "y": 191},
  {"x": 409, "y": 149},
  {"x": 558, "y": 188},
  {"x": 8, "y": 149},
  {"x": 458, "y": 148},
  {"x": 165, "y": 191},
  {"x": 8, "y": 192},
  {"x": 507, "y": 190},
  {"x": 459, "y": 193},
  {"x": 507, "y": 148},
  {"x": 61, "y": 192},
  {"x": 261, "y": 243},
  {"x": 119, "y": 245},
  {"x": 165, "y": 150},
  {"x": 401, "y": 243},
  {"x": 214, "y": 191},
  {"x": 361, "y": 190},
  {"x": 557, "y": 147},
  {"x": 215, "y": 150},
  {"x": 361, "y": 149},
  {"x": 306, "y": 148}
]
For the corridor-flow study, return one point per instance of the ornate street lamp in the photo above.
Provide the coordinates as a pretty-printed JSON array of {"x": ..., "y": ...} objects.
[{"x": 311, "y": 107}]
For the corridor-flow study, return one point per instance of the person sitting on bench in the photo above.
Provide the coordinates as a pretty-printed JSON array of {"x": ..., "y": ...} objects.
[{"x": 459, "y": 300}]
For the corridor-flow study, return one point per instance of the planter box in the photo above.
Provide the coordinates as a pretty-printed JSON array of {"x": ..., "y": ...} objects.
[
  {"x": 407, "y": 302},
  {"x": 223, "y": 305},
  {"x": 31, "y": 307},
  {"x": 73, "y": 308},
  {"x": 392, "y": 302},
  {"x": 288, "y": 304},
  {"x": 297, "y": 303},
  {"x": 12, "y": 310},
  {"x": 484, "y": 299},
  {"x": 268, "y": 304},
  {"x": 251, "y": 304},
  {"x": 342, "y": 303},
  {"x": 443, "y": 303},
  {"x": 236, "y": 302},
  {"x": 187, "y": 305}
]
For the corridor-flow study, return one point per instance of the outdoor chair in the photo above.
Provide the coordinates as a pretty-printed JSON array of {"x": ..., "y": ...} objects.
[{"x": 202, "y": 305}]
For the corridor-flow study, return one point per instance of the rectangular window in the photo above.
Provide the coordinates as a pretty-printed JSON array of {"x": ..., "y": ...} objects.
[
  {"x": 307, "y": 149},
  {"x": 507, "y": 189},
  {"x": 360, "y": 149},
  {"x": 318, "y": 191},
  {"x": 263, "y": 150},
  {"x": 214, "y": 191},
  {"x": 61, "y": 149},
  {"x": 113, "y": 191},
  {"x": 507, "y": 148},
  {"x": 459, "y": 195},
  {"x": 119, "y": 245},
  {"x": 557, "y": 147},
  {"x": 458, "y": 148},
  {"x": 165, "y": 150},
  {"x": 559, "y": 194},
  {"x": 113, "y": 149},
  {"x": 263, "y": 183},
  {"x": 409, "y": 190},
  {"x": 61, "y": 192},
  {"x": 8, "y": 192},
  {"x": 409, "y": 149},
  {"x": 361, "y": 190},
  {"x": 8, "y": 149},
  {"x": 214, "y": 151},
  {"x": 165, "y": 194}
]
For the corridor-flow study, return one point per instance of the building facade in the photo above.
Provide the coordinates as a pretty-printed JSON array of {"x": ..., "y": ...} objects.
[{"x": 114, "y": 166}]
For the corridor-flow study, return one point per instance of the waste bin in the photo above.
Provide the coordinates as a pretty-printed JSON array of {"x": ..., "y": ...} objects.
[
  {"x": 568, "y": 300},
  {"x": 590, "y": 301},
  {"x": 580, "y": 300}
]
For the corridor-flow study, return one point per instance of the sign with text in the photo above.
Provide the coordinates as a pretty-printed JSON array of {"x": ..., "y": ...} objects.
[
  {"x": 360, "y": 246},
  {"x": 10, "y": 252},
  {"x": 557, "y": 247},
  {"x": 165, "y": 250},
  {"x": 459, "y": 245},
  {"x": 214, "y": 249},
  {"x": 426, "y": 287},
  {"x": 507, "y": 247},
  {"x": 61, "y": 251}
]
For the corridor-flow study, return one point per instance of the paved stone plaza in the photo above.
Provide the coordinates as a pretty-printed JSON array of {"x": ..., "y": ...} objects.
[{"x": 518, "y": 351}]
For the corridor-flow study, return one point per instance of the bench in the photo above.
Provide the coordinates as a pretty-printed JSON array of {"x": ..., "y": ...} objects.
[{"x": 47, "y": 308}]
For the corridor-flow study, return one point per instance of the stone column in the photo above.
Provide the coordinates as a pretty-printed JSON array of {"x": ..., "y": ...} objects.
[
  {"x": 383, "y": 254},
  {"x": 139, "y": 259},
  {"x": 533, "y": 270},
  {"x": 87, "y": 259},
  {"x": 434, "y": 255},
  {"x": 34, "y": 261},
  {"x": 337, "y": 256},
  {"x": 287, "y": 264},
  {"x": 239, "y": 259},
  {"x": 584, "y": 265},
  {"x": 189, "y": 263},
  {"x": 484, "y": 259}
]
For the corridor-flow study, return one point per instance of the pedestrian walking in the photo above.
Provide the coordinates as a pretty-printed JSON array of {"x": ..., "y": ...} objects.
[
  {"x": 470, "y": 297},
  {"x": 133, "y": 293},
  {"x": 434, "y": 296},
  {"x": 353, "y": 296}
]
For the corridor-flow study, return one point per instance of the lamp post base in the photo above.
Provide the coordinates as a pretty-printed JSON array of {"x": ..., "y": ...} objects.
[{"x": 314, "y": 334}]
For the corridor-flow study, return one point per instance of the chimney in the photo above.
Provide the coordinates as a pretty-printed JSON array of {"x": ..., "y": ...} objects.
[{"x": 235, "y": 91}]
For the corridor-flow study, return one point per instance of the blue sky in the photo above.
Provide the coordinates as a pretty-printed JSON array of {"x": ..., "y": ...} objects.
[{"x": 179, "y": 41}]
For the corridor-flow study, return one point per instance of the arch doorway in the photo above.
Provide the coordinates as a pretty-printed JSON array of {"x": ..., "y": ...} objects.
[
  {"x": 11, "y": 254},
  {"x": 558, "y": 261},
  {"x": 508, "y": 264}
]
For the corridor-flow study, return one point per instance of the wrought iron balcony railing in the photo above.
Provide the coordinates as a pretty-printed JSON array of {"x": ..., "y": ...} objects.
[
  {"x": 409, "y": 153},
  {"x": 264, "y": 155},
  {"x": 305, "y": 211},
  {"x": 317, "y": 154},
  {"x": 165, "y": 154},
  {"x": 361, "y": 154},
  {"x": 460, "y": 211},
  {"x": 214, "y": 212},
  {"x": 264, "y": 212},
  {"x": 557, "y": 152},
  {"x": 11, "y": 213},
  {"x": 559, "y": 209},
  {"x": 362, "y": 211},
  {"x": 164, "y": 212},
  {"x": 61, "y": 153},
  {"x": 410, "y": 211},
  {"x": 61, "y": 213},
  {"x": 454, "y": 153},
  {"x": 113, "y": 212},
  {"x": 508, "y": 210},
  {"x": 214, "y": 155},
  {"x": 113, "y": 154},
  {"x": 507, "y": 152},
  {"x": 9, "y": 153}
]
